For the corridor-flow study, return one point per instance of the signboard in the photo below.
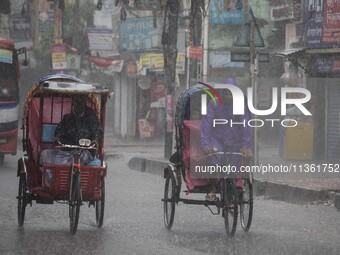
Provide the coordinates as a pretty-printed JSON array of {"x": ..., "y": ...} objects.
[
  {"x": 180, "y": 63},
  {"x": 131, "y": 69},
  {"x": 144, "y": 5},
  {"x": 139, "y": 35},
  {"x": 59, "y": 61},
  {"x": 244, "y": 37},
  {"x": 195, "y": 52},
  {"x": 20, "y": 27},
  {"x": 324, "y": 65},
  {"x": 5, "y": 7},
  {"x": 59, "y": 65},
  {"x": 222, "y": 59},
  {"x": 100, "y": 39},
  {"x": 283, "y": 12},
  {"x": 73, "y": 61},
  {"x": 155, "y": 62},
  {"x": 331, "y": 23},
  {"x": 45, "y": 21},
  {"x": 57, "y": 24},
  {"x": 312, "y": 20},
  {"x": 144, "y": 82},
  {"x": 245, "y": 57},
  {"x": 226, "y": 11}
]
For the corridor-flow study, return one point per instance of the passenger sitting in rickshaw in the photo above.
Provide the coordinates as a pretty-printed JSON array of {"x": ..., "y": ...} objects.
[
  {"x": 227, "y": 138},
  {"x": 193, "y": 153},
  {"x": 81, "y": 123}
]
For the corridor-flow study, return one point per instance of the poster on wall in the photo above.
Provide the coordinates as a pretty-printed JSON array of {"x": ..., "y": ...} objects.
[
  {"x": 100, "y": 39},
  {"x": 312, "y": 20},
  {"x": 139, "y": 35},
  {"x": 331, "y": 23}
]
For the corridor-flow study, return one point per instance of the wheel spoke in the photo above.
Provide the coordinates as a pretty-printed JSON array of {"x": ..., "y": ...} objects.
[
  {"x": 246, "y": 205},
  {"x": 169, "y": 202},
  {"x": 230, "y": 210}
]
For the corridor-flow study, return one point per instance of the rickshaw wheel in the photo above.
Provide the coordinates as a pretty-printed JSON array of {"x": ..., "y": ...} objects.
[
  {"x": 246, "y": 205},
  {"x": 22, "y": 199},
  {"x": 169, "y": 202},
  {"x": 100, "y": 205},
  {"x": 74, "y": 204},
  {"x": 230, "y": 206}
]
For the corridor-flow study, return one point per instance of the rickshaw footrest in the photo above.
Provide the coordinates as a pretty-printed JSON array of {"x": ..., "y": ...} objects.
[{"x": 44, "y": 200}]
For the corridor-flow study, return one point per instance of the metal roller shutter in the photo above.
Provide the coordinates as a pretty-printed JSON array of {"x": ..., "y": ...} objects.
[{"x": 333, "y": 123}]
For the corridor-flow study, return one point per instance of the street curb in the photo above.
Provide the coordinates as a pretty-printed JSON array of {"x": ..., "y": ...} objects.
[
  {"x": 337, "y": 201},
  {"x": 113, "y": 155},
  {"x": 270, "y": 189}
]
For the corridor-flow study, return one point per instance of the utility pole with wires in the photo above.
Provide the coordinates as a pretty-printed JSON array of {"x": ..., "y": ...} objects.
[
  {"x": 205, "y": 41},
  {"x": 254, "y": 63},
  {"x": 250, "y": 37},
  {"x": 169, "y": 41},
  {"x": 75, "y": 27}
]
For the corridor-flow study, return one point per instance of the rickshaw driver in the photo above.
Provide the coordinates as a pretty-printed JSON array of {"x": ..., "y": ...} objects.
[
  {"x": 227, "y": 138},
  {"x": 82, "y": 122}
]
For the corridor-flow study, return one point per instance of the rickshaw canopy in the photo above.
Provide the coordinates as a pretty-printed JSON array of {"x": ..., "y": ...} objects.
[
  {"x": 66, "y": 84},
  {"x": 183, "y": 102}
]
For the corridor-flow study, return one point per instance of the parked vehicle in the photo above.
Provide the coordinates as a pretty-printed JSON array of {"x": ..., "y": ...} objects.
[{"x": 9, "y": 97}]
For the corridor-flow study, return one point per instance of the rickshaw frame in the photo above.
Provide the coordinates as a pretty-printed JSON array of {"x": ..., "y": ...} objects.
[
  {"x": 231, "y": 200},
  {"x": 39, "y": 120}
]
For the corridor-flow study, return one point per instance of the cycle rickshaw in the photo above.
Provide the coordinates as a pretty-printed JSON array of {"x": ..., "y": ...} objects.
[
  {"x": 48, "y": 101},
  {"x": 230, "y": 201}
]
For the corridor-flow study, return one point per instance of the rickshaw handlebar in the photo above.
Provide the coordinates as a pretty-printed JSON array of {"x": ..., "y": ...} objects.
[
  {"x": 227, "y": 153},
  {"x": 77, "y": 146}
]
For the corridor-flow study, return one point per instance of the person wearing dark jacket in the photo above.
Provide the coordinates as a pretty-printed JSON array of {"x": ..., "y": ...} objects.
[{"x": 81, "y": 123}]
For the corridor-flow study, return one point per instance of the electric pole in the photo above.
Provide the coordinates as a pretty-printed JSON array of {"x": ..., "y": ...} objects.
[
  {"x": 169, "y": 41},
  {"x": 253, "y": 75}
]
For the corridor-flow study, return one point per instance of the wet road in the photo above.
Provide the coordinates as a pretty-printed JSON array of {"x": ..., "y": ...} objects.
[{"x": 133, "y": 223}]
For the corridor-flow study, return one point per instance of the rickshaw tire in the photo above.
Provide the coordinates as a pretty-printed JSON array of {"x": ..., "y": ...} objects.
[
  {"x": 248, "y": 191},
  {"x": 75, "y": 202},
  {"x": 100, "y": 206},
  {"x": 230, "y": 207},
  {"x": 22, "y": 199},
  {"x": 169, "y": 216}
]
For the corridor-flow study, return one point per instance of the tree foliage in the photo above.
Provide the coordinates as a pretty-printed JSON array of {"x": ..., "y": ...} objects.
[{"x": 82, "y": 19}]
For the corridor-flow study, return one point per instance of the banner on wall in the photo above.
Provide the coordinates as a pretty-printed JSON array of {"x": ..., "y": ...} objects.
[
  {"x": 226, "y": 11},
  {"x": 155, "y": 62},
  {"x": 140, "y": 34},
  {"x": 222, "y": 59},
  {"x": 321, "y": 21}
]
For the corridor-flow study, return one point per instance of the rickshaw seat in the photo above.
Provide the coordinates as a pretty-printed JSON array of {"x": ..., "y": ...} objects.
[{"x": 48, "y": 133}]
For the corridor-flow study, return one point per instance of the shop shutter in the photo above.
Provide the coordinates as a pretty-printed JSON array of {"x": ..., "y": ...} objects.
[{"x": 333, "y": 121}]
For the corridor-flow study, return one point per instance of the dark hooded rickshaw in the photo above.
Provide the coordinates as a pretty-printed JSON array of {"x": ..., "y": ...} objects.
[{"x": 48, "y": 101}]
